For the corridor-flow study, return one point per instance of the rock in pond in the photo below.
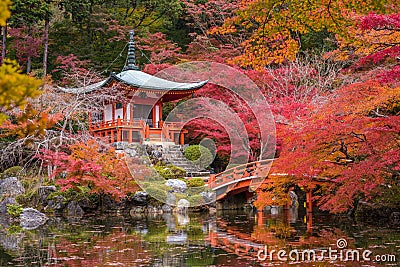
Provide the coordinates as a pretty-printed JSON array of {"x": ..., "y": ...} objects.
[
  {"x": 183, "y": 205},
  {"x": 177, "y": 185},
  {"x": 74, "y": 210},
  {"x": 141, "y": 197},
  {"x": 31, "y": 218}
]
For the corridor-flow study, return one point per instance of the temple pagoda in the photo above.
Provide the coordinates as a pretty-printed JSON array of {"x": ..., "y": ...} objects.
[{"x": 139, "y": 118}]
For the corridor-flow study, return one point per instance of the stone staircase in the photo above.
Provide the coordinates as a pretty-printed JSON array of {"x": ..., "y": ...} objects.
[{"x": 174, "y": 155}]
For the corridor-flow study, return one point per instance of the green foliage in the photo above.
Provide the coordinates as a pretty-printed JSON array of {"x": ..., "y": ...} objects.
[
  {"x": 195, "y": 200},
  {"x": 12, "y": 172},
  {"x": 169, "y": 171},
  {"x": 318, "y": 41},
  {"x": 195, "y": 182},
  {"x": 199, "y": 155},
  {"x": 15, "y": 88},
  {"x": 28, "y": 12},
  {"x": 157, "y": 193},
  {"x": 14, "y": 229},
  {"x": 14, "y": 210}
]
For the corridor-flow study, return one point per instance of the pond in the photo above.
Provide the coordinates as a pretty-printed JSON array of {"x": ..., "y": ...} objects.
[{"x": 232, "y": 238}]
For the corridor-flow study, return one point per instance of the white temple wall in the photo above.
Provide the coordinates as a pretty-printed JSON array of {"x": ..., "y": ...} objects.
[
  {"x": 108, "y": 112},
  {"x": 128, "y": 112},
  {"x": 119, "y": 113}
]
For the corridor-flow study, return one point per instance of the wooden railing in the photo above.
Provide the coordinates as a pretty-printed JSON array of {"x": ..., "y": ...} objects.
[
  {"x": 165, "y": 131},
  {"x": 115, "y": 123},
  {"x": 256, "y": 170}
]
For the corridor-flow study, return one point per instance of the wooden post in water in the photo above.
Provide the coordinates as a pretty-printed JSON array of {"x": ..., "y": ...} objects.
[
  {"x": 309, "y": 207},
  {"x": 260, "y": 217}
]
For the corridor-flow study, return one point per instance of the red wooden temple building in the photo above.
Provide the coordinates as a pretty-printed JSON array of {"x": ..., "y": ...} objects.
[{"x": 140, "y": 118}]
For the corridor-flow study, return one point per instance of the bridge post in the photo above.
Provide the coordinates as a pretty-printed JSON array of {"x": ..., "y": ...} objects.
[
  {"x": 211, "y": 180},
  {"x": 309, "y": 210},
  {"x": 309, "y": 201},
  {"x": 260, "y": 217}
]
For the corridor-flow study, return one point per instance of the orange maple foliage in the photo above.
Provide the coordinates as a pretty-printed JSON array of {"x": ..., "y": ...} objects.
[
  {"x": 91, "y": 167},
  {"x": 272, "y": 29}
]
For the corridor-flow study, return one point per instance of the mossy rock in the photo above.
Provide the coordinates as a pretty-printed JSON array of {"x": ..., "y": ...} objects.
[{"x": 14, "y": 171}]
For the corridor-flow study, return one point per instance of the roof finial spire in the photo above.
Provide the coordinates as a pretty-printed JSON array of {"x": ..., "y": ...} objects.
[{"x": 130, "y": 61}]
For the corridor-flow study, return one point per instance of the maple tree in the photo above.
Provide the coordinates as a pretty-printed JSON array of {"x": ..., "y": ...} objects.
[
  {"x": 273, "y": 30},
  {"x": 161, "y": 50},
  {"x": 350, "y": 142},
  {"x": 374, "y": 38},
  {"x": 100, "y": 170}
]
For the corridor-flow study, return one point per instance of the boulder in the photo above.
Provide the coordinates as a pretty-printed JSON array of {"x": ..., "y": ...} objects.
[
  {"x": 112, "y": 205},
  {"x": 140, "y": 198},
  {"x": 208, "y": 197},
  {"x": 31, "y": 218},
  {"x": 11, "y": 187},
  {"x": 87, "y": 204},
  {"x": 178, "y": 186},
  {"x": 183, "y": 205},
  {"x": 171, "y": 199},
  {"x": 166, "y": 208},
  {"x": 74, "y": 210},
  {"x": 11, "y": 241},
  {"x": 5, "y": 202},
  {"x": 44, "y": 192},
  {"x": 57, "y": 204}
]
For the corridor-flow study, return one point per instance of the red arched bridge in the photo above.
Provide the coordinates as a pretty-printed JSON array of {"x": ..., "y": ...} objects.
[
  {"x": 248, "y": 177},
  {"x": 239, "y": 178}
]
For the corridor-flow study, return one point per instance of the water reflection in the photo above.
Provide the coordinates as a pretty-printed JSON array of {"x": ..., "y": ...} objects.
[{"x": 228, "y": 239}]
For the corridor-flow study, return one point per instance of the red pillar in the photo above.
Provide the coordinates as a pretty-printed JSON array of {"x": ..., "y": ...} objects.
[
  {"x": 181, "y": 138},
  {"x": 260, "y": 217},
  {"x": 130, "y": 136}
]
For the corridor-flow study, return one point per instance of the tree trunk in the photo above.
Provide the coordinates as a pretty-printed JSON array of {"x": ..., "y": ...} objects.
[
  {"x": 46, "y": 45},
  {"x": 4, "y": 44},
  {"x": 29, "y": 57}
]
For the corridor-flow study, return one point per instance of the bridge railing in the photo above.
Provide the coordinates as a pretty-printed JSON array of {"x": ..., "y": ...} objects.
[{"x": 257, "y": 169}]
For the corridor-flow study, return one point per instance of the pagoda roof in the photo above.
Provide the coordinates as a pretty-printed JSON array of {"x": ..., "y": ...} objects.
[
  {"x": 132, "y": 76},
  {"x": 140, "y": 80}
]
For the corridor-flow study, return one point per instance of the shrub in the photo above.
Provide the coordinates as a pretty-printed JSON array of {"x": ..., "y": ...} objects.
[
  {"x": 170, "y": 171},
  {"x": 160, "y": 194},
  {"x": 195, "y": 182},
  {"x": 199, "y": 155},
  {"x": 14, "y": 210},
  {"x": 196, "y": 200}
]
